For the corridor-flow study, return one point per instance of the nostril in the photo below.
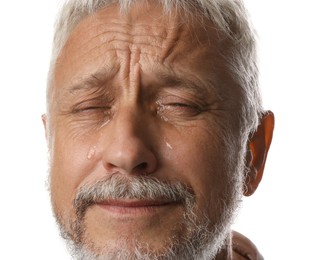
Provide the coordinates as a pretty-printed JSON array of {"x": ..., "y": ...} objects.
[{"x": 141, "y": 167}]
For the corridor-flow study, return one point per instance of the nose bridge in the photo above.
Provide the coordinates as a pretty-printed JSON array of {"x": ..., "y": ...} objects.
[
  {"x": 128, "y": 121},
  {"x": 129, "y": 148}
]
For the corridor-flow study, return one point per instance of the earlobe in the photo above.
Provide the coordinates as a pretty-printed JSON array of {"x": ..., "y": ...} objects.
[{"x": 259, "y": 145}]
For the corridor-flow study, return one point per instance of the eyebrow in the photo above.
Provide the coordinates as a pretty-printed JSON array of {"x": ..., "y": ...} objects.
[
  {"x": 189, "y": 82},
  {"x": 94, "y": 80},
  {"x": 165, "y": 78}
]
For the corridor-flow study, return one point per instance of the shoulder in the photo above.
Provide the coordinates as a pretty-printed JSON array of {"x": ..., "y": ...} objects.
[{"x": 243, "y": 248}]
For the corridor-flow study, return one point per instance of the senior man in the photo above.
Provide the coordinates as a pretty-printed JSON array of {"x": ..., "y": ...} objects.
[{"x": 155, "y": 128}]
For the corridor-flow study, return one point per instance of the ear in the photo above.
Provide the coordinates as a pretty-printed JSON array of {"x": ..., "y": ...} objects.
[{"x": 259, "y": 145}]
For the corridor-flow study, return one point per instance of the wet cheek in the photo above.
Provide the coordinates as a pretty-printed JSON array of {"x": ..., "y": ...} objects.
[
  {"x": 181, "y": 150},
  {"x": 197, "y": 157},
  {"x": 71, "y": 163}
]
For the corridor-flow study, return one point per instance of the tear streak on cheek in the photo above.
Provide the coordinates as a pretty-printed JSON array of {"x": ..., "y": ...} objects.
[
  {"x": 91, "y": 153},
  {"x": 169, "y": 146}
]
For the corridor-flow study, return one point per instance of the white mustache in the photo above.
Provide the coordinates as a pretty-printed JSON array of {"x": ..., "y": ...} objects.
[{"x": 118, "y": 187}]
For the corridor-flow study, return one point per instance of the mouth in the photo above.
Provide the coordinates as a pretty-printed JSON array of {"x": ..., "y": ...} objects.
[{"x": 135, "y": 207}]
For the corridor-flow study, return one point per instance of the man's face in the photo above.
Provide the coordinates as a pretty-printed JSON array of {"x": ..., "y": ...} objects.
[{"x": 143, "y": 98}]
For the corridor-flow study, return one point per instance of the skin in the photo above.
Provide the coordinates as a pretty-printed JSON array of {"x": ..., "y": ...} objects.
[{"x": 145, "y": 94}]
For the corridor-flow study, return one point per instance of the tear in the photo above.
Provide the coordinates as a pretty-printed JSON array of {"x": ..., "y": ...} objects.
[
  {"x": 169, "y": 146},
  {"x": 91, "y": 153}
]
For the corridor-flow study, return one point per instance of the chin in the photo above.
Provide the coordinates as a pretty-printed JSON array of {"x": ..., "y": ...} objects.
[{"x": 190, "y": 239}]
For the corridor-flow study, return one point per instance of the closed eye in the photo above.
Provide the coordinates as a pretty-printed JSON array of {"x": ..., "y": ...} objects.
[
  {"x": 178, "y": 105},
  {"x": 91, "y": 108},
  {"x": 177, "y": 110}
]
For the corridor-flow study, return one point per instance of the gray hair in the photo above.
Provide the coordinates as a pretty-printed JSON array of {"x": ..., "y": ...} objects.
[{"x": 229, "y": 16}]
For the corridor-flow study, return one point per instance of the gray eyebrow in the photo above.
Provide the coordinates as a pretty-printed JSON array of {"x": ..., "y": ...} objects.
[
  {"x": 91, "y": 81},
  {"x": 167, "y": 78},
  {"x": 186, "y": 81}
]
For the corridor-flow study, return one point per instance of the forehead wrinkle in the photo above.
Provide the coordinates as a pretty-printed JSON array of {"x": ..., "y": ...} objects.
[
  {"x": 131, "y": 28},
  {"x": 164, "y": 41},
  {"x": 127, "y": 37},
  {"x": 131, "y": 31},
  {"x": 172, "y": 44}
]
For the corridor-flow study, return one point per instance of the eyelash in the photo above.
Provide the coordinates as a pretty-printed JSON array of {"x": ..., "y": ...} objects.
[
  {"x": 91, "y": 108},
  {"x": 177, "y": 109},
  {"x": 167, "y": 107}
]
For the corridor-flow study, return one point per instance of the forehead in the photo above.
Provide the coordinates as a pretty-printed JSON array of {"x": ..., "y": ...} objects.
[
  {"x": 104, "y": 40},
  {"x": 144, "y": 20}
]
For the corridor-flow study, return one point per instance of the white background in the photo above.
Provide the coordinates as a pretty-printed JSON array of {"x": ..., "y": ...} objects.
[{"x": 276, "y": 218}]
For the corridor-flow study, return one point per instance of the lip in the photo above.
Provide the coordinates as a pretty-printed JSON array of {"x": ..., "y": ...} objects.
[{"x": 134, "y": 207}]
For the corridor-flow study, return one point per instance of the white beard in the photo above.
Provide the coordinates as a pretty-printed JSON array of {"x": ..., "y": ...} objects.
[{"x": 201, "y": 241}]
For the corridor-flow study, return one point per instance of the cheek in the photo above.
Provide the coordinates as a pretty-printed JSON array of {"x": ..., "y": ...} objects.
[
  {"x": 199, "y": 158},
  {"x": 69, "y": 166}
]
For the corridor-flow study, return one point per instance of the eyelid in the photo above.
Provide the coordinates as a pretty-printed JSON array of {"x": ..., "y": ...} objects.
[
  {"x": 77, "y": 110},
  {"x": 177, "y": 107},
  {"x": 182, "y": 97},
  {"x": 177, "y": 103},
  {"x": 95, "y": 98},
  {"x": 90, "y": 105}
]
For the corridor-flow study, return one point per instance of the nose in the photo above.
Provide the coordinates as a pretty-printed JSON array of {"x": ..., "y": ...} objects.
[{"x": 129, "y": 148}]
